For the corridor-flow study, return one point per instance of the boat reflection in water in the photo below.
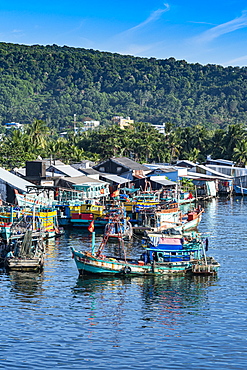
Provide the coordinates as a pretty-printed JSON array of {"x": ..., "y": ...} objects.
[
  {"x": 158, "y": 300},
  {"x": 26, "y": 286}
]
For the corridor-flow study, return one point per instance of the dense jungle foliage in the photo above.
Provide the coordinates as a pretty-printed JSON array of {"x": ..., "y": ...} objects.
[{"x": 53, "y": 83}]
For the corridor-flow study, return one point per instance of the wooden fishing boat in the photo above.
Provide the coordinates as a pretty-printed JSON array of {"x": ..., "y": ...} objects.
[
  {"x": 158, "y": 220},
  {"x": 142, "y": 201},
  {"x": 186, "y": 198},
  {"x": 190, "y": 220},
  {"x": 82, "y": 215},
  {"x": 90, "y": 264},
  {"x": 26, "y": 254},
  {"x": 184, "y": 245},
  {"x": 32, "y": 199},
  {"x": 36, "y": 217},
  {"x": 169, "y": 257}
]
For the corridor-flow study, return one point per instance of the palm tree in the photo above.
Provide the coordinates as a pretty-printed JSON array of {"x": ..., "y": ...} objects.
[
  {"x": 240, "y": 153},
  {"x": 193, "y": 155},
  {"x": 174, "y": 146},
  {"x": 235, "y": 134},
  {"x": 37, "y": 132}
]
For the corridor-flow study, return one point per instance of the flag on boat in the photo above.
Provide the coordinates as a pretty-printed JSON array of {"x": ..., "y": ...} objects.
[
  {"x": 91, "y": 226},
  {"x": 114, "y": 194}
]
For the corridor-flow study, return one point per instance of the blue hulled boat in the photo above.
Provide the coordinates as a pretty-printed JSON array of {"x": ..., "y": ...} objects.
[{"x": 239, "y": 190}]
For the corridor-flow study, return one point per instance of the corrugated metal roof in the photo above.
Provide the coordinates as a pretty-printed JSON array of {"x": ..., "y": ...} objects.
[
  {"x": 204, "y": 168},
  {"x": 114, "y": 178},
  {"x": 14, "y": 181},
  {"x": 66, "y": 170},
  {"x": 187, "y": 162},
  {"x": 196, "y": 175},
  {"x": 89, "y": 171},
  {"x": 126, "y": 162},
  {"x": 161, "y": 180},
  {"x": 213, "y": 172},
  {"x": 79, "y": 180},
  {"x": 220, "y": 161},
  {"x": 53, "y": 162},
  {"x": 129, "y": 163},
  {"x": 84, "y": 164}
]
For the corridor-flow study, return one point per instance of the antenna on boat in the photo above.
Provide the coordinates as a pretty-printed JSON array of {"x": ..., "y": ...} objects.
[
  {"x": 91, "y": 229},
  {"x": 93, "y": 243}
]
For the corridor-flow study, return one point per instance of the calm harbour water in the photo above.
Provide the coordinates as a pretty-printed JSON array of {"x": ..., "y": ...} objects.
[{"x": 55, "y": 320}]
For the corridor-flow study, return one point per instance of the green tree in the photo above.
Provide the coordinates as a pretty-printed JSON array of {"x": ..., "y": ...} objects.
[
  {"x": 37, "y": 133},
  {"x": 240, "y": 153}
]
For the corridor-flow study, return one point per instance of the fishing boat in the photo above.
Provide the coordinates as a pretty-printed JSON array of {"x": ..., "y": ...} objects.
[
  {"x": 170, "y": 256},
  {"x": 167, "y": 217},
  {"x": 190, "y": 246},
  {"x": 156, "y": 218},
  {"x": 26, "y": 254},
  {"x": 142, "y": 201},
  {"x": 37, "y": 217},
  {"x": 239, "y": 190},
  {"x": 82, "y": 215},
  {"x": 190, "y": 220},
  {"x": 118, "y": 226},
  {"x": 186, "y": 198},
  {"x": 32, "y": 199}
]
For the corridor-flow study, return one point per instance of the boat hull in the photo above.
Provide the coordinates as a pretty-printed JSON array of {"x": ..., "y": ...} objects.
[
  {"x": 24, "y": 264},
  {"x": 88, "y": 264},
  {"x": 239, "y": 190}
]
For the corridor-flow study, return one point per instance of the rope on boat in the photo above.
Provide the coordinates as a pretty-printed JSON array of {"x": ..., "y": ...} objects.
[{"x": 113, "y": 220}]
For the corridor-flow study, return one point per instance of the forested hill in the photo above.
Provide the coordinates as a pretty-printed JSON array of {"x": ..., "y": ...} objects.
[{"x": 53, "y": 83}]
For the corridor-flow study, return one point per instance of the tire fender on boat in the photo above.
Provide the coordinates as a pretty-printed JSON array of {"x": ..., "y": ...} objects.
[{"x": 127, "y": 270}]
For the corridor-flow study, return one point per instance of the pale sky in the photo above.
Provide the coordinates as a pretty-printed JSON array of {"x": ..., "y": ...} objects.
[{"x": 205, "y": 32}]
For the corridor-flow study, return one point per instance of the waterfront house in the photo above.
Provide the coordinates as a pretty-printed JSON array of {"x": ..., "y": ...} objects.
[
  {"x": 114, "y": 180},
  {"x": 123, "y": 167},
  {"x": 223, "y": 182},
  {"x": 84, "y": 164},
  {"x": 161, "y": 182},
  {"x": 173, "y": 173},
  {"x": 90, "y": 172}
]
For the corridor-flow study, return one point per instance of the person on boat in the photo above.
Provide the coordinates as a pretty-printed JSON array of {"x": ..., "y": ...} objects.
[
  {"x": 144, "y": 257},
  {"x": 10, "y": 254},
  {"x": 199, "y": 208}
]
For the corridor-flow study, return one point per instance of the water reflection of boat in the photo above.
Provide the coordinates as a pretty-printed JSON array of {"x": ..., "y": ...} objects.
[
  {"x": 29, "y": 284},
  {"x": 171, "y": 296},
  {"x": 153, "y": 287},
  {"x": 92, "y": 283}
]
